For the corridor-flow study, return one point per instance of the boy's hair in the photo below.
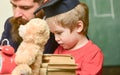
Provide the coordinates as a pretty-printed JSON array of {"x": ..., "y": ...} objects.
[{"x": 70, "y": 18}]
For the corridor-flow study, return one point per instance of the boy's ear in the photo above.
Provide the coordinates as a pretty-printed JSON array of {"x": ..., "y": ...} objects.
[{"x": 79, "y": 26}]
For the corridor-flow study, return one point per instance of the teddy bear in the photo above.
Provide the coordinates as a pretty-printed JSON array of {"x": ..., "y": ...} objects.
[{"x": 28, "y": 57}]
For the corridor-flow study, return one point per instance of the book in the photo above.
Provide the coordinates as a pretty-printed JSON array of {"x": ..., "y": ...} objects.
[{"x": 56, "y": 64}]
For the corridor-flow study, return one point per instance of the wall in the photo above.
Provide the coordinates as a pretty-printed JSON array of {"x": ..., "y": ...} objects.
[{"x": 5, "y": 12}]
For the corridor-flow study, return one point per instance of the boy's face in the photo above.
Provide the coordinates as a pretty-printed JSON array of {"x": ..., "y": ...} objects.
[
  {"x": 23, "y": 9},
  {"x": 64, "y": 37}
]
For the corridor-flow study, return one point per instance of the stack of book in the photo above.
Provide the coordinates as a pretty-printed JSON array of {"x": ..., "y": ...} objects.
[{"x": 56, "y": 64}]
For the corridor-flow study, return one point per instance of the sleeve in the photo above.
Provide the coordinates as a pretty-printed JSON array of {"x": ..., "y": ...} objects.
[
  {"x": 51, "y": 45},
  {"x": 92, "y": 65},
  {"x": 6, "y": 32},
  {"x": 7, "y": 35}
]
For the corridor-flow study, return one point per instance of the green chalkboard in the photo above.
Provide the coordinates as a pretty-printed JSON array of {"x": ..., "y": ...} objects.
[{"x": 104, "y": 28}]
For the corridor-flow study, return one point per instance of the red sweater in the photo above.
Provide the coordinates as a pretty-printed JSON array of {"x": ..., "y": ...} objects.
[{"x": 89, "y": 58}]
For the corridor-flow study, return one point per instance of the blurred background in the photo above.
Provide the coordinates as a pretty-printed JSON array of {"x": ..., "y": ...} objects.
[
  {"x": 104, "y": 29},
  {"x": 5, "y": 12}
]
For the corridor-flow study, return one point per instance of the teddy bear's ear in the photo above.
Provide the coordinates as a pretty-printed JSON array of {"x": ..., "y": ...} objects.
[
  {"x": 42, "y": 30},
  {"x": 43, "y": 39}
]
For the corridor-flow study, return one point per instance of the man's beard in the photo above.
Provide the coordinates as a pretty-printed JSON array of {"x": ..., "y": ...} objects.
[{"x": 15, "y": 23}]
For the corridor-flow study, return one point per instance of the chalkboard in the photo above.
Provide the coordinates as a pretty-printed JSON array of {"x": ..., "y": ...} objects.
[{"x": 104, "y": 28}]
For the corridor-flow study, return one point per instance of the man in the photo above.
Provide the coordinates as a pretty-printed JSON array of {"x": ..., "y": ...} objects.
[{"x": 23, "y": 12}]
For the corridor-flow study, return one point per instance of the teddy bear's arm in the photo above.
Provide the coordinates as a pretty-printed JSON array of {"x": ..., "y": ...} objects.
[{"x": 26, "y": 55}]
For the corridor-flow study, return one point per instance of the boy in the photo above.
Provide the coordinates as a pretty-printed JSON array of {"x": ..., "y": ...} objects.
[{"x": 70, "y": 26}]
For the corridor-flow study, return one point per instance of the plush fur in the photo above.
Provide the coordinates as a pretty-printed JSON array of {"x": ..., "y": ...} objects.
[{"x": 29, "y": 54}]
